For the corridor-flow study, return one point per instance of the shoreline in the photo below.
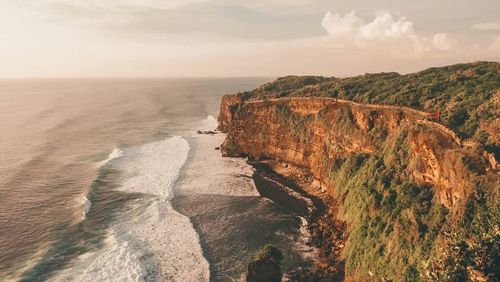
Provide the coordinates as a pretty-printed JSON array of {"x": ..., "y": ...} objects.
[
  {"x": 290, "y": 189},
  {"x": 290, "y": 208},
  {"x": 232, "y": 220},
  {"x": 285, "y": 191}
]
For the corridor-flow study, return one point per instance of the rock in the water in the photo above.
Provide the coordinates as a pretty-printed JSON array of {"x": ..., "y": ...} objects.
[
  {"x": 266, "y": 267},
  {"x": 208, "y": 132}
]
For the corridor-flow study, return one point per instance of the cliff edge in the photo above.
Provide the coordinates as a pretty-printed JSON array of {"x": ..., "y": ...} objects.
[{"x": 419, "y": 195}]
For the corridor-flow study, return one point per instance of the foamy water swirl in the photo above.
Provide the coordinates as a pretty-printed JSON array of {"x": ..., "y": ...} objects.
[{"x": 156, "y": 242}]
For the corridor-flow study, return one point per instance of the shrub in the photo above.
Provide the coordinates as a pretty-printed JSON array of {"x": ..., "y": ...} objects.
[{"x": 269, "y": 252}]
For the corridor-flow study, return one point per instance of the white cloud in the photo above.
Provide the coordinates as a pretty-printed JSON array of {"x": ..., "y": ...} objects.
[
  {"x": 131, "y": 38},
  {"x": 489, "y": 26},
  {"x": 441, "y": 41},
  {"x": 384, "y": 25},
  {"x": 338, "y": 25}
]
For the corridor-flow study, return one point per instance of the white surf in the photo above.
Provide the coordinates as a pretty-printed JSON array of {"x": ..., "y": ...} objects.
[{"x": 153, "y": 240}]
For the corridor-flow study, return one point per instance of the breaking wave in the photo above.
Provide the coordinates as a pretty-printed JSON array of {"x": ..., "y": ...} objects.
[
  {"x": 84, "y": 201},
  {"x": 210, "y": 123},
  {"x": 116, "y": 153},
  {"x": 151, "y": 241},
  {"x": 85, "y": 207}
]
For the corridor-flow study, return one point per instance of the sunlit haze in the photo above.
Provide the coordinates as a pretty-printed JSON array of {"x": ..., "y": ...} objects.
[{"x": 213, "y": 38}]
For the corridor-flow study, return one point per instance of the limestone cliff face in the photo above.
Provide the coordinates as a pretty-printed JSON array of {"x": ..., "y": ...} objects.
[
  {"x": 411, "y": 199},
  {"x": 228, "y": 108},
  {"x": 312, "y": 133}
]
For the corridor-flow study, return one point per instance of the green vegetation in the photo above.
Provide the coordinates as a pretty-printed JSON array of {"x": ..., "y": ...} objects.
[
  {"x": 395, "y": 224},
  {"x": 397, "y": 229},
  {"x": 464, "y": 94},
  {"x": 266, "y": 266},
  {"x": 268, "y": 253},
  {"x": 298, "y": 123},
  {"x": 474, "y": 243},
  {"x": 284, "y": 86},
  {"x": 394, "y": 220}
]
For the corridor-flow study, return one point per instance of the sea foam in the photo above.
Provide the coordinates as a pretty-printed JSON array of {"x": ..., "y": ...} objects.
[
  {"x": 210, "y": 123},
  {"x": 116, "y": 153},
  {"x": 84, "y": 201},
  {"x": 153, "y": 168},
  {"x": 210, "y": 173},
  {"x": 86, "y": 204},
  {"x": 153, "y": 241}
]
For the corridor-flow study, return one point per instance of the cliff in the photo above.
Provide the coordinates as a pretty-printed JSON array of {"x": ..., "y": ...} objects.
[{"x": 409, "y": 189}]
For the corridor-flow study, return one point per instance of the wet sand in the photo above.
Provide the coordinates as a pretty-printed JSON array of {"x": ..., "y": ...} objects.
[
  {"x": 291, "y": 189},
  {"x": 221, "y": 196}
]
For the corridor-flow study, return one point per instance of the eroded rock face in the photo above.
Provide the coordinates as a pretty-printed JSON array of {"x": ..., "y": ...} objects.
[
  {"x": 398, "y": 180},
  {"x": 449, "y": 168},
  {"x": 227, "y": 110},
  {"x": 316, "y": 132}
]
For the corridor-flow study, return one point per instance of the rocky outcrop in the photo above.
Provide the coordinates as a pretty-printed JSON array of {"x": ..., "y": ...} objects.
[
  {"x": 266, "y": 267},
  {"x": 228, "y": 107},
  {"x": 411, "y": 183},
  {"x": 437, "y": 155}
]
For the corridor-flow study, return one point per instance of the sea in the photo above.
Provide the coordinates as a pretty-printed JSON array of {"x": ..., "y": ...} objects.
[{"x": 108, "y": 180}]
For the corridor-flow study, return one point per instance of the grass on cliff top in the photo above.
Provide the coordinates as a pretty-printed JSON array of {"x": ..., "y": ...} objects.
[
  {"x": 399, "y": 231},
  {"x": 467, "y": 95}
]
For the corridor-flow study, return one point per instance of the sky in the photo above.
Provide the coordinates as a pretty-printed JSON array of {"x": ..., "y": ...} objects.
[{"x": 232, "y": 38}]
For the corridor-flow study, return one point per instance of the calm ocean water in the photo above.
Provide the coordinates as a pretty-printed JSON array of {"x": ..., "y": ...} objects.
[{"x": 89, "y": 170}]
